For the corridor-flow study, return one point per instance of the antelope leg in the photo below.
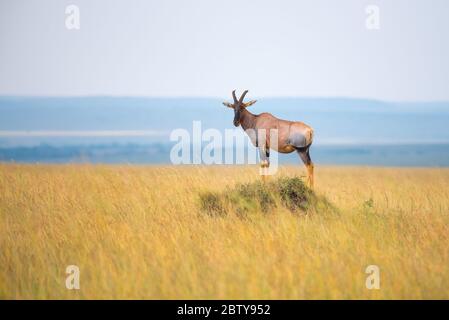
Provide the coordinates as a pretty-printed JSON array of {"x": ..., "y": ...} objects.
[
  {"x": 305, "y": 157},
  {"x": 264, "y": 160}
]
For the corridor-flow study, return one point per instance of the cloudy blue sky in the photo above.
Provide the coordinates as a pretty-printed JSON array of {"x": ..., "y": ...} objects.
[{"x": 206, "y": 48}]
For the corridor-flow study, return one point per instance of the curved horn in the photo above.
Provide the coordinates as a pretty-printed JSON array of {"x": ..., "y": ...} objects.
[
  {"x": 233, "y": 95},
  {"x": 243, "y": 96}
]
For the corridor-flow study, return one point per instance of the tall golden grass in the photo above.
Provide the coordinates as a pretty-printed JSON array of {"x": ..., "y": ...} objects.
[{"x": 138, "y": 232}]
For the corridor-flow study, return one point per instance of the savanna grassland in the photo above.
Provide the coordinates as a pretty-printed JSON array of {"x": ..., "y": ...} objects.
[{"x": 145, "y": 232}]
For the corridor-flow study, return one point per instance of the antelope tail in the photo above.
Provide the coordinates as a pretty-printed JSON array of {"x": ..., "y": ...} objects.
[{"x": 310, "y": 137}]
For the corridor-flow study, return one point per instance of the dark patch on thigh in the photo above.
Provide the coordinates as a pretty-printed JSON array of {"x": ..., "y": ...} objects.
[{"x": 297, "y": 140}]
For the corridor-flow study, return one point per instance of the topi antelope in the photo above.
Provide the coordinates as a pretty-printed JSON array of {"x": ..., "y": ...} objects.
[{"x": 292, "y": 135}]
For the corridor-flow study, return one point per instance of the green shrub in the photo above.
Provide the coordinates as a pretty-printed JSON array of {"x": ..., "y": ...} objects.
[
  {"x": 294, "y": 193},
  {"x": 211, "y": 203},
  {"x": 258, "y": 194},
  {"x": 255, "y": 197}
]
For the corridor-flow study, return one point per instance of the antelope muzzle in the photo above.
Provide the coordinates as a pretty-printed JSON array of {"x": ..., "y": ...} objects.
[{"x": 237, "y": 119}]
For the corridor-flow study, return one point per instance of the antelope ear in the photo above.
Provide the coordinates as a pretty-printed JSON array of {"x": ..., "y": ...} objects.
[
  {"x": 229, "y": 105},
  {"x": 250, "y": 103}
]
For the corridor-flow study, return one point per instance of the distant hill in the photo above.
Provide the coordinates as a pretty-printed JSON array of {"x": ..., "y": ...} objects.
[
  {"x": 335, "y": 120},
  {"x": 364, "y": 127}
]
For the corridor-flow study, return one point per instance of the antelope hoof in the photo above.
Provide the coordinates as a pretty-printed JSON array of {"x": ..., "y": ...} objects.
[
  {"x": 310, "y": 183},
  {"x": 264, "y": 164}
]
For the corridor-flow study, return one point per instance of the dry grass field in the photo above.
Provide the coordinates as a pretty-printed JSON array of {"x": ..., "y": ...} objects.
[{"x": 139, "y": 232}]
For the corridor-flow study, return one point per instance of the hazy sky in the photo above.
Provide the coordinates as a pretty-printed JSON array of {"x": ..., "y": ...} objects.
[{"x": 207, "y": 48}]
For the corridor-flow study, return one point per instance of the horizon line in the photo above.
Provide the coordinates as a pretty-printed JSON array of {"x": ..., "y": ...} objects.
[
  {"x": 164, "y": 133},
  {"x": 81, "y": 133}
]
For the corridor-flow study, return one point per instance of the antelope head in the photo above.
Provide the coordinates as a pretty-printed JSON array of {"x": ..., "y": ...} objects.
[{"x": 238, "y": 106}]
